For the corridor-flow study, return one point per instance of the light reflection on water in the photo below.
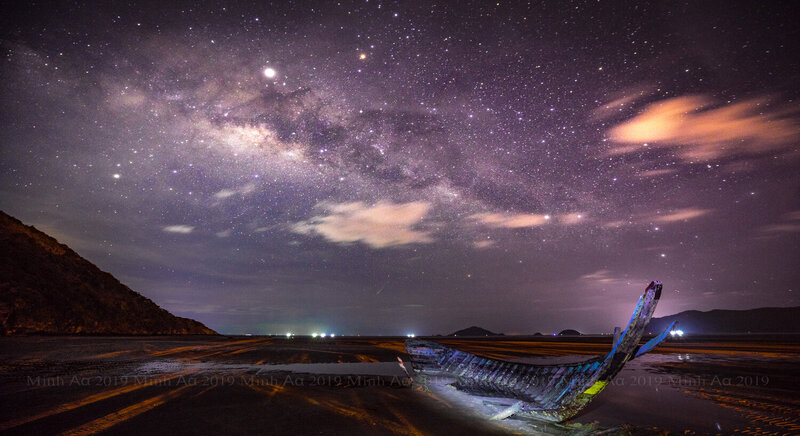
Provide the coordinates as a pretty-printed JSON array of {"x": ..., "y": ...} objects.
[
  {"x": 675, "y": 392},
  {"x": 389, "y": 369},
  {"x": 706, "y": 393}
]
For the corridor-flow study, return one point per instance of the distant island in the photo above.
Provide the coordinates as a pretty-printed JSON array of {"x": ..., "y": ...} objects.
[
  {"x": 46, "y": 288},
  {"x": 474, "y": 331},
  {"x": 569, "y": 332},
  {"x": 763, "y": 320}
]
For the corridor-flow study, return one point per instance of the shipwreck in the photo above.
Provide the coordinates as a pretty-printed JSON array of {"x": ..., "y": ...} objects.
[{"x": 551, "y": 392}]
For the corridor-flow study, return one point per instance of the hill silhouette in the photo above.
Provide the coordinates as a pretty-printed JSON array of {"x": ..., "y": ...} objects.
[
  {"x": 569, "y": 332},
  {"x": 762, "y": 320},
  {"x": 474, "y": 331},
  {"x": 46, "y": 288}
]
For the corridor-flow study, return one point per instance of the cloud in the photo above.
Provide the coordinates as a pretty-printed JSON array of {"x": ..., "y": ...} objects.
[
  {"x": 676, "y": 215},
  {"x": 782, "y": 228},
  {"x": 228, "y": 192},
  {"x": 510, "y": 221},
  {"x": 607, "y": 278},
  {"x": 572, "y": 218},
  {"x": 609, "y": 109},
  {"x": 790, "y": 224},
  {"x": 513, "y": 221},
  {"x": 601, "y": 276},
  {"x": 680, "y": 215},
  {"x": 180, "y": 228},
  {"x": 698, "y": 131},
  {"x": 623, "y": 101},
  {"x": 384, "y": 224},
  {"x": 519, "y": 220},
  {"x": 484, "y": 243},
  {"x": 656, "y": 173},
  {"x": 224, "y": 193}
]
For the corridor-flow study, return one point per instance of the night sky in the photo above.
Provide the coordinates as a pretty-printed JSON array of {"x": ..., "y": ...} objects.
[{"x": 385, "y": 168}]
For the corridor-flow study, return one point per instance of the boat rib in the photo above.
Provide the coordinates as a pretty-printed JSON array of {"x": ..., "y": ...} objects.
[{"x": 552, "y": 392}]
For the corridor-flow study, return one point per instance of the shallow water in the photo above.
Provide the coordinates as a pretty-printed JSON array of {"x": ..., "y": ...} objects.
[
  {"x": 245, "y": 385},
  {"x": 389, "y": 369}
]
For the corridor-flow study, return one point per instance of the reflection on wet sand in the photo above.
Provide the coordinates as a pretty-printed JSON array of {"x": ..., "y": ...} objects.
[
  {"x": 88, "y": 400},
  {"x": 762, "y": 389},
  {"x": 125, "y": 414}
]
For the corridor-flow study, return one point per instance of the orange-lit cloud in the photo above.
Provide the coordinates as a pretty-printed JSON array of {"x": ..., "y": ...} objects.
[
  {"x": 519, "y": 220},
  {"x": 384, "y": 224},
  {"x": 698, "y": 131},
  {"x": 656, "y": 173},
  {"x": 648, "y": 218},
  {"x": 617, "y": 223},
  {"x": 572, "y": 218},
  {"x": 485, "y": 243},
  {"x": 680, "y": 215},
  {"x": 510, "y": 221},
  {"x": 600, "y": 276}
]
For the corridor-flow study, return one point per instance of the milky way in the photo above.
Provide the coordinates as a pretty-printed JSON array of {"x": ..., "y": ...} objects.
[{"x": 385, "y": 168}]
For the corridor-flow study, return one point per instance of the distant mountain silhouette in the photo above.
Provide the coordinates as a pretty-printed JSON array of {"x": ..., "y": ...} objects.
[
  {"x": 46, "y": 288},
  {"x": 474, "y": 331},
  {"x": 569, "y": 332},
  {"x": 763, "y": 320}
]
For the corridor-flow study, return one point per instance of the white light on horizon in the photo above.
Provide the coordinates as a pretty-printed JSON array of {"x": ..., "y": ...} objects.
[{"x": 676, "y": 333}]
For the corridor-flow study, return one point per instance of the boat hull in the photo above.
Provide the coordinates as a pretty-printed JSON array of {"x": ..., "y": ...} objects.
[{"x": 552, "y": 392}]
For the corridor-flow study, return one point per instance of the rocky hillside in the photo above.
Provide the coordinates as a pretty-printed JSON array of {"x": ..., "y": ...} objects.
[{"x": 46, "y": 288}]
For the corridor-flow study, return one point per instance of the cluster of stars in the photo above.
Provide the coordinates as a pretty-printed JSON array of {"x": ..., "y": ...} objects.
[{"x": 231, "y": 128}]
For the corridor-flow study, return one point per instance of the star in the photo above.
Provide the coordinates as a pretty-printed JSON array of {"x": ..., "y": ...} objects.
[{"x": 475, "y": 127}]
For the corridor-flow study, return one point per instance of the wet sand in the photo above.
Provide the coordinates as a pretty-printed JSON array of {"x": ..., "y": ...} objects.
[{"x": 275, "y": 385}]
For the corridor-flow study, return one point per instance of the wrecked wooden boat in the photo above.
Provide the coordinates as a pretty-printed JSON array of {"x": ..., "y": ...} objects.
[{"x": 552, "y": 392}]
